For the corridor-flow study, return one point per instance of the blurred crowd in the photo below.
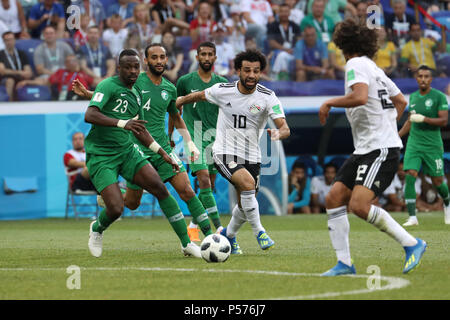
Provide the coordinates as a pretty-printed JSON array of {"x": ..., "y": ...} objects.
[
  {"x": 296, "y": 36},
  {"x": 308, "y": 189}
]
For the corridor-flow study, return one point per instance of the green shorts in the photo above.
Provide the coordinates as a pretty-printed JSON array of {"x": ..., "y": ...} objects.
[
  {"x": 205, "y": 161},
  {"x": 165, "y": 170},
  {"x": 431, "y": 162},
  {"x": 104, "y": 170}
]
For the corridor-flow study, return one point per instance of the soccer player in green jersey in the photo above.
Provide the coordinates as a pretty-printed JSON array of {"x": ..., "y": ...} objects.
[
  {"x": 110, "y": 151},
  {"x": 158, "y": 98},
  {"x": 201, "y": 119},
  {"x": 428, "y": 110}
]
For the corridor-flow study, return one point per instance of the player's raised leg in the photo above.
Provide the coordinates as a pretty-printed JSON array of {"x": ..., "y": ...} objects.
[
  {"x": 114, "y": 208},
  {"x": 339, "y": 228},
  {"x": 183, "y": 187},
  {"x": 148, "y": 178},
  {"x": 246, "y": 186},
  {"x": 360, "y": 204}
]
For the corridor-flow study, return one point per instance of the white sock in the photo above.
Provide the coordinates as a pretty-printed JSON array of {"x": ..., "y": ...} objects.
[
  {"x": 237, "y": 220},
  {"x": 192, "y": 225},
  {"x": 251, "y": 208},
  {"x": 384, "y": 222},
  {"x": 339, "y": 229}
]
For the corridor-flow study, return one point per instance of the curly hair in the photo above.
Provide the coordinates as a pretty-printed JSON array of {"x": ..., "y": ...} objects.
[
  {"x": 353, "y": 37},
  {"x": 251, "y": 56}
]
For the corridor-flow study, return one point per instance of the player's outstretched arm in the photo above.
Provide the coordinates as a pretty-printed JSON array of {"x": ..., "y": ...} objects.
[
  {"x": 357, "y": 97},
  {"x": 440, "y": 121},
  {"x": 179, "y": 124},
  {"x": 190, "y": 98},
  {"x": 147, "y": 140},
  {"x": 94, "y": 116},
  {"x": 79, "y": 89},
  {"x": 282, "y": 131}
]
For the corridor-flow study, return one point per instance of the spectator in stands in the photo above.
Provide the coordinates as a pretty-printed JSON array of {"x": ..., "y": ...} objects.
[
  {"x": 237, "y": 27},
  {"x": 393, "y": 198},
  {"x": 96, "y": 59},
  {"x": 337, "y": 60},
  {"x": 386, "y": 56},
  {"x": 282, "y": 35},
  {"x": 399, "y": 23},
  {"x": 79, "y": 38},
  {"x": 143, "y": 26},
  {"x": 320, "y": 186},
  {"x": 11, "y": 13},
  {"x": 49, "y": 12},
  {"x": 361, "y": 11},
  {"x": 224, "y": 65},
  {"x": 322, "y": 23},
  {"x": 94, "y": 9},
  {"x": 333, "y": 8},
  {"x": 311, "y": 57},
  {"x": 175, "y": 56},
  {"x": 297, "y": 14},
  {"x": 257, "y": 14},
  {"x": 115, "y": 36},
  {"x": 418, "y": 51},
  {"x": 133, "y": 41},
  {"x": 75, "y": 161},
  {"x": 50, "y": 55},
  {"x": 123, "y": 8},
  {"x": 299, "y": 190},
  {"x": 14, "y": 65},
  {"x": 164, "y": 16},
  {"x": 61, "y": 80},
  {"x": 201, "y": 30},
  {"x": 27, "y": 5},
  {"x": 3, "y": 29},
  {"x": 220, "y": 9}
]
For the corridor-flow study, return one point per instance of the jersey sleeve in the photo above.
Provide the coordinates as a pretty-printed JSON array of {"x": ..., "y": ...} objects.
[
  {"x": 392, "y": 88},
  {"x": 172, "y": 109},
  {"x": 275, "y": 109},
  {"x": 101, "y": 96},
  {"x": 212, "y": 94},
  {"x": 443, "y": 103},
  {"x": 355, "y": 72}
]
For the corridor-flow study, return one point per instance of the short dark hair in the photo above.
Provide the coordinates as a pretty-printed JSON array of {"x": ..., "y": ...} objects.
[
  {"x": 151, "y": 45},
  {"x": 127, "y": 52},
  {"x": 93, "y": 27},
  {"x": 299, "y": 165},
  {"x": 6, "y": 33},
  {"x": 252, "y": 56},
  {"x": 208, "y": 44},
  {"x": 414, "y": 24},
  {"x": 330, "y": 165},
  {"x": 354, "y": 37},
  {"x": 424, "y": 67}
]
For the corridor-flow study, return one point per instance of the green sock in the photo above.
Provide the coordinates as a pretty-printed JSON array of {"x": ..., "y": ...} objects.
[
  {"x": 443, "y": 192},
  {"x": 102, "y": 223},
  {"x": 199, "y": 214},
  {"x": 176, "y": 219},
  {"x": 410, "y": 194},
  {"x": 209, "y": 202}
]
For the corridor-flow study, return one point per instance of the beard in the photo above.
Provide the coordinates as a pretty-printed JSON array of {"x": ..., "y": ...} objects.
[
  {"x": 204, "y": 67},
  {"x": 246, "y": 86},
  {"x": 156, "y": 72}
]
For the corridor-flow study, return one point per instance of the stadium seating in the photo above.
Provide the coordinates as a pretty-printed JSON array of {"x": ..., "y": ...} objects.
[
  {"x": 3, "y": 94},
  {"x": 28, "y": 45},
  {"x": 34, "y": 93}
]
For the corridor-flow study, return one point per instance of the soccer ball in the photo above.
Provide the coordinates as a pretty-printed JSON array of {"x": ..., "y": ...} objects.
[{"x": 215, "y": 248}]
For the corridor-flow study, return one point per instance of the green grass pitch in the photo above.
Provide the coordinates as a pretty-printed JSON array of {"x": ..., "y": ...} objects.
[{"x": 142, "y": 260}]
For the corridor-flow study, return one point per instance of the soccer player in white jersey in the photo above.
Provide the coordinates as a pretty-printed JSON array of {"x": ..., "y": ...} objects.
[
  {"x": 244, "y": 107},
  {"x": 373, "y": 105}
]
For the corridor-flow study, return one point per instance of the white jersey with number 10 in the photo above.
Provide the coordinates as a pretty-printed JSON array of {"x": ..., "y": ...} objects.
[{"x": 242, "y": 118}]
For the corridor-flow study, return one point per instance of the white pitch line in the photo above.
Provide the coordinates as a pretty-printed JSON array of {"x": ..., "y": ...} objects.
[{"x": 392, "y": 282}]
